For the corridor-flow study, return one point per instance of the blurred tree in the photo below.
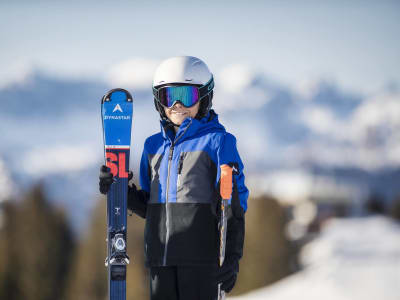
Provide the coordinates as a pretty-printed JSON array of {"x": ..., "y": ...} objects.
[
  {"x": 375, "y": 204},
  {"x": 88, "y": 279},
  {"x": 395, "y": 208},
  {"x": 8, "y": 276},
  {"x": 268, "y": 254},
  {"x": 35, "y": 249}
]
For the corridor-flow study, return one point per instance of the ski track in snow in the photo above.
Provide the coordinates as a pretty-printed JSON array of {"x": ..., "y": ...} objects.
[{"x": 352, "y": 259}]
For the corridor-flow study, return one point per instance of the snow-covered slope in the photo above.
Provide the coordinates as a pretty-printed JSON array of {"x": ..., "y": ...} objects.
[{"x": 352, "y": 259}]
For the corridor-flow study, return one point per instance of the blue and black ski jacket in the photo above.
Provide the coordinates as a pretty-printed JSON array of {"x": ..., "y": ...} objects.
[{"x": 179, "y": 176}]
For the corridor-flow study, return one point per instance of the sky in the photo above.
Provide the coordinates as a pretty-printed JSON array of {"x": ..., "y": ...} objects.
[
  {"x": 259, "y": 50},
  {"x": 354, "y": 43}
]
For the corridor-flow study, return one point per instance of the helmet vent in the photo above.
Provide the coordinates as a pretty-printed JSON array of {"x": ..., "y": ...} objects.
[{"x": 189, "y": 79}]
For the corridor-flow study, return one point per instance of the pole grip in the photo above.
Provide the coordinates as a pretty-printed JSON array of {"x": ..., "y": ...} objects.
[{"x": 226, "y": 182}]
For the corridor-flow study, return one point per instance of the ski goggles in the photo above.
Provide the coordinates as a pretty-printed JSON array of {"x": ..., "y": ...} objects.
[{"x": 186, "y": 94}]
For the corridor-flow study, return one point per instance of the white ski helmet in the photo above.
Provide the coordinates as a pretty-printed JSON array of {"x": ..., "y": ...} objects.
[{"x": 185, "y": 70}]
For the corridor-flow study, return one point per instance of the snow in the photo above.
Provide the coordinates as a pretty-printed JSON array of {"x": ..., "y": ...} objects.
[
  {"x": 235, "y": 85},
  {"x": 59, "y": 158},
  {"x": 18, "y": 72},
  {"x": 6, "y": 184},
  {"x": 236, "y": 77},
  {"x": 368, "y": 138},
  {"x": 357, "y": 258},
  {"x": 321, "y": 120},
  {"x": 294, "y": 185}
]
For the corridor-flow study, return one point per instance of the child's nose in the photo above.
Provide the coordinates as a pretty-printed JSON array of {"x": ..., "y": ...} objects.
[{"x": 178, "y": 104}]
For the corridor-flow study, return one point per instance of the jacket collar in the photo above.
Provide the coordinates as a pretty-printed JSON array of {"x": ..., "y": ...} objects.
[{"x": 191, "y": 126}]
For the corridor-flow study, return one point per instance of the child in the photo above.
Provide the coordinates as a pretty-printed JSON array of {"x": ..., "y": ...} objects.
[{"x": 179, "y": 177}]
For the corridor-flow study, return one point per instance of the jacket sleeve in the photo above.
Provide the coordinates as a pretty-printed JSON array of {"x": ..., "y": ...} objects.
[
  {"x": 137, "y": 199},
  {"x": 228, "y": 154}
]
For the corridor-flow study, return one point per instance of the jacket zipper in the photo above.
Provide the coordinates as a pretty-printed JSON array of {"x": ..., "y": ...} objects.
[{"x": 167, "y": 217}]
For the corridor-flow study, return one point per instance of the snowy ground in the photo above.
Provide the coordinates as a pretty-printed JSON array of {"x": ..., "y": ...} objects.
[{"x": 353, "y": 259}]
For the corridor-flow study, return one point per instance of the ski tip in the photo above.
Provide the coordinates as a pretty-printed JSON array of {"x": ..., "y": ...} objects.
[{"x": 117, "y": 94}]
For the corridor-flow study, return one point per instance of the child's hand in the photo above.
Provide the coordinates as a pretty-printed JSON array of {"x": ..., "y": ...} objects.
[
  {"x": 227, "y": 274},
  {"x": 105, "y": 179}
]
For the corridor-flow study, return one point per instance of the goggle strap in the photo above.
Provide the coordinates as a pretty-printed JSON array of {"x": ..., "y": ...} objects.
[
  {"x": 207, "y": 88},
  {"x": 155, "y": 92}
]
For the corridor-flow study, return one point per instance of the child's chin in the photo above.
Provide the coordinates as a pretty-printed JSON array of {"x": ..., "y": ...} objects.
[{"x": 178, "y": 121}]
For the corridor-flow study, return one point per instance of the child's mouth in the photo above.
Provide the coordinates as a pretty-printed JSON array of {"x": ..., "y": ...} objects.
[{"x": 178, "y": 113}]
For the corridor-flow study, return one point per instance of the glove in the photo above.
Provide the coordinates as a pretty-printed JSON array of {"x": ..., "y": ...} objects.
[
  {"x": 137, "y": 200},
  {"x": 106, "y": 179},
  {"x": 227, "y": 274}
]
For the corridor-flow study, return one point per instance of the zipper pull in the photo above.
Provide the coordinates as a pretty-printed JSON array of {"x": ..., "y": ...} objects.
[
  {"x": 180, "y": 165},
  {"x": 171, "y": 152}
]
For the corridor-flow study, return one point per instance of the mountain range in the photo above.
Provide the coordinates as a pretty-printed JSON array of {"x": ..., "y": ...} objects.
[{"x": 51, "y": 132}]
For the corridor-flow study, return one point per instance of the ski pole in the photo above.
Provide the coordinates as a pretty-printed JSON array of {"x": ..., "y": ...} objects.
[{"x": 226, "y": 192}]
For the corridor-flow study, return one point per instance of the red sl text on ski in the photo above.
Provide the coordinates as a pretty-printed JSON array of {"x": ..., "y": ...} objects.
[{"x": 117, "y": 164}]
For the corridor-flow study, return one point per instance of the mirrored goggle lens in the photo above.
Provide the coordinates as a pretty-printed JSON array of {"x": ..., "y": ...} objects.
[{"x": 187, "y": 95}]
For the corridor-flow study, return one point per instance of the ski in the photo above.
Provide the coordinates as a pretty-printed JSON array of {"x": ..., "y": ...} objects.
[
  {"x": 116, "y": 112},
  {"x": 226, "y": 193}
]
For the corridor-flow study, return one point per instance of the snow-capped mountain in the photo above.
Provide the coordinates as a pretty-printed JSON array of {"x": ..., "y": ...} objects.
[
  {"x": 320, "y": 124},
  {"x": 51, "y": 129}
]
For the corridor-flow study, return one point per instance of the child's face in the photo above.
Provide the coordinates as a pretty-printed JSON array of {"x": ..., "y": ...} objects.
[{"x": 178, "y": 113}]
